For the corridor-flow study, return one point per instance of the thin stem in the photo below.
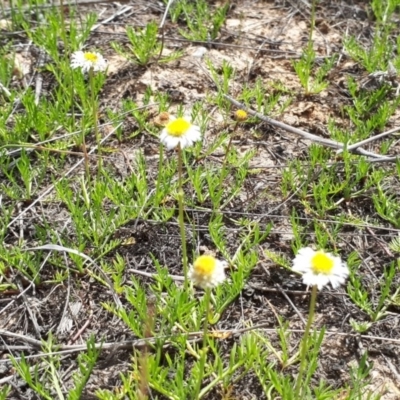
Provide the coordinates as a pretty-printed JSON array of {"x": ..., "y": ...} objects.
[
  {"x": 313, "y": 6},
  {"x": 207, "y": 297},
  {"x": 63, "y": 30},
  {"x": 304, "y": 343},
  {"x": 160, "y": 168},
  {"x": 310, "y": 55},
  {"x": 228, "y": 148},
  {"x": 143, "y": 389},
  {"x": 229, "y": 144},
  {"x": 161, "y": 28},
  {"x": 85, "y": 155},
  {"x": 95, "y": 117},
  {"x": 181, "y": 218}
]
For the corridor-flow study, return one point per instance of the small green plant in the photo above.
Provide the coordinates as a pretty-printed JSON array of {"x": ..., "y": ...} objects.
[
  {"x": 203, "y": 23},
  {"x": 387, "y": 205},
  {"x": 376, "y": 308},
  {"x": 275, "y": 382},
  {"x": 4, "y": 392},
  {"x": 394, "y": 245},
  {"x": 93, "y": 63},
  {"x": 377, "y": 55},
  {"x": 313, "y": 82},
  {"x": 145, "y": 46},
  {"x": 360, "y": 380},
  {"x": 7, "y": 66},
  {"x": 304, "y": 67},
  {"x": 371, "y": 110},
  {"x": 360, "y": 327},
  {"x": 221, "y": 76},
  {"x": 46, "y": 381},
  {"x": 46, "y": 35}
]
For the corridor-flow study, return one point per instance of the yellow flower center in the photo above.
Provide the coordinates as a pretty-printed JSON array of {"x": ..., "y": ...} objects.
[
  {"x": 321, "y": 263},
  {"x": 205, "y": 265},
  {"x": 241, "y": 115},
  {"x": 93, "y": 58},
  {"x": 178, "y": 127}
]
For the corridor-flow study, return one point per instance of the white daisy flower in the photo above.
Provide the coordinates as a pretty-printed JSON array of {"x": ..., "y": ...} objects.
[
  {"x": 179, "y": 131},
  {"x": 207, "y": 272},
  {"x": 320, "y": 268},
  {"x": 87, "y": 60}
]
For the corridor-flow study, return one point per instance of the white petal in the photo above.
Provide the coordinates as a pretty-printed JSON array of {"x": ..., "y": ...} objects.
[
  {"x": 209, "y": 281},
  {"x": 163, "y": 135},
  {"x": 183, "y": 140},
  {"x": 302, "y": 261},
  {"x": 194, "y": 133},
  {"x": 168, "y": 141},
  {"x": 78, "y": 60},
  {"x": 171, "y": 142},
  {"x": 306, "y": 252}
]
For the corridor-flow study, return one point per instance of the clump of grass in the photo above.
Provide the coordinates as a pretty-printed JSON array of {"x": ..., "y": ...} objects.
[
  {"x": 313, "y": 79},
  {"x": 145, "y": 46}
]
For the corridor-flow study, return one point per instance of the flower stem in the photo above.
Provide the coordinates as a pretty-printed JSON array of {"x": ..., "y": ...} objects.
[
  {"x": 181, "y": 218},
  {"x": 95, "y": 117},
  {"x": 160, "y": 167},
  {"x": 304, "y": 344},
  {"x": 207, "y": 297},
  {"x": 63, "y": 29},
  {"x": 313, "y": 6},
  {"x": 228, "y": 148},
  {"x": 85, "y": 155}
]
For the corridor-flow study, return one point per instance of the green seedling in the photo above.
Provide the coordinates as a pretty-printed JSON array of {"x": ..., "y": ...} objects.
[
  {"x": 360, "y": 379},
  {"x": 387, "y": 205},
  {"x": 305, "y": 66},
  {"x": 145, "y": 46},
  {"x": 360, "y": 327},
  {"x": 377, "y": 308},
  {"x": 203, "y": 23},
  {"x": 313, "y": 80},
  {"x": 46, "y": 380},
  {"x": 376, "y": 56}
]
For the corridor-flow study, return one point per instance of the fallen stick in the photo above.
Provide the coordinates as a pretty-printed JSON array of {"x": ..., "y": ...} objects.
[
  {"x": 304, "y": 134},
  {"x": 370, "y": 139}
]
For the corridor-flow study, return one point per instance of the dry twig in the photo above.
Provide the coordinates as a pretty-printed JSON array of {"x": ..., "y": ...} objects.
[{"x": 304, "y": 134}]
